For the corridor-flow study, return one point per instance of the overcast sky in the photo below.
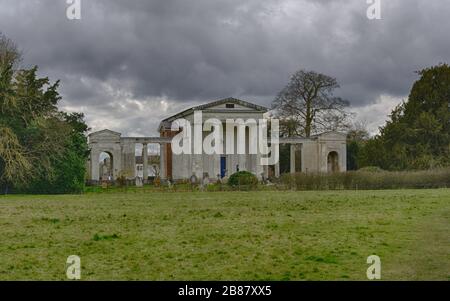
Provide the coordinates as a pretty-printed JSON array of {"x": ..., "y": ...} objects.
[{"x": 129, "y": 63}]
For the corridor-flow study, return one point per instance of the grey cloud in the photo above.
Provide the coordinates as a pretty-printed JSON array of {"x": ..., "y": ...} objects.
[{"x": 189, "y": 51}]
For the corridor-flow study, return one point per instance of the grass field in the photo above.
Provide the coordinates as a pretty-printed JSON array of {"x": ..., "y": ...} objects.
[{"x": 267, "y": 235}]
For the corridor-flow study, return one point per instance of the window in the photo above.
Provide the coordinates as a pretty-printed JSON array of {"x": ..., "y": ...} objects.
[{"x": 229, "y": 105}]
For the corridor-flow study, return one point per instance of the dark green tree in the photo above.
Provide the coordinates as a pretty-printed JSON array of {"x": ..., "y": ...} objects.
[
  {"x": 357, "y": 136},
  {"x": 41, "y": 148},
  {"x": 418, "y": 134}
]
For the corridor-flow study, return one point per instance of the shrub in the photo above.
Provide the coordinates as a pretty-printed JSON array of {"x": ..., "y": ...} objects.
[
  {"x": 121, "y": 181},
  {"x": 370, "y": 169},
  {"x": 363, "y": 179},
  {"x": 243, "y": 179}
]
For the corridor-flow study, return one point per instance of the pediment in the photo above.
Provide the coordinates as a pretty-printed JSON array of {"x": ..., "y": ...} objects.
[
  {"x": 332, "y": 136},
  {"x": 219, "y": 105},
  {"x": 105, "y": 133}
]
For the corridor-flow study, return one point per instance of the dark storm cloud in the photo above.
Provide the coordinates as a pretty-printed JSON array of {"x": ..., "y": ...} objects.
[{"x": 135, "y": 59}]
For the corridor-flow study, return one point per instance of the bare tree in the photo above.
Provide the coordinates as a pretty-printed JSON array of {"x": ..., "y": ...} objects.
[
  {"x": 358, "y": 132},
  {"x": 9, "y": 53},
  {"x": 307, "y": 105}
]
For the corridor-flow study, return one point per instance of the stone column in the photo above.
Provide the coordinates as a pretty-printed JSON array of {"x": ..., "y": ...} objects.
[
  {"x": 266, "y": 171},
  {"x": 127, "y": 164},
  {"x": 145, "y": 162},
  {"x": 343, "y": 157},
  {"x": 302, "y": 153},
  {"x": 259, "y": 169},
  {"x": 292, "y": 158},
  {"x": 162, "y": 161},
  {"x": 197, "y": 165},
  {"x": 117, "y": 165},
  {"x": 277, "y": 169},
  {"x": 242, "y": 161},
  {"x": 216, "y": 168},
  {"x": 95, "y": 166}
]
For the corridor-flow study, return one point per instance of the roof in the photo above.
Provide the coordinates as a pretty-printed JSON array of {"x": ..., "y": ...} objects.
[
  {"x": 322, "y": 136},
  {"x": 329, "y": 132},
  {"x": 105, "y": 131},
  {"x": 202, "y": 107}
]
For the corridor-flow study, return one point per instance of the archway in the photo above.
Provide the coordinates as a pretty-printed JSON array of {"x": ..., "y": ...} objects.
[
  {"x": 333, "y": 162},
  {"x": 106, "y": 166}
]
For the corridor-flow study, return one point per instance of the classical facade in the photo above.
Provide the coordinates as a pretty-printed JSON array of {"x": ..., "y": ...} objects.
[
  {"x": 320, "y": 153},
  {"x": 122, "y": 154}
]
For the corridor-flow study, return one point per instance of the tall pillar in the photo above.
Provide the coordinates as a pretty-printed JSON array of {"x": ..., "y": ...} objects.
[
  {"x": 302, "y": 153},
  {"x": 292, "y": 158},
  {"x": 197, "y": 165},
  {"x": 266, "y": 171},
  {"x": 162, "y": 161},
  {"x": 277, "y": 169},
  {"x": 216, "y": 168},
  {"x": 95, "y": 166},
  {"x": 242, "y": 161},
  {"x": 127, "y": 164},
  {"x": 145, "y": 162},
  {"x": 259, "y": 169},
  {"x": 117, "y": 165}
]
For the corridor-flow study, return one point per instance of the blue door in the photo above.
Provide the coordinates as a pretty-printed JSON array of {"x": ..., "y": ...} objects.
[{"x": 223, "y": 166}]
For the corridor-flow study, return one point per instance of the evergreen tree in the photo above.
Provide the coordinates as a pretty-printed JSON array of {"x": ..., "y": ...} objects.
[
  {"x": 418, "y": 134},
  {"x": 41, "y": 149}
]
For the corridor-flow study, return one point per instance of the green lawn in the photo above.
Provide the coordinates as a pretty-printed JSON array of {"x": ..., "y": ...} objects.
[{"x": 266, "y": 235}]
